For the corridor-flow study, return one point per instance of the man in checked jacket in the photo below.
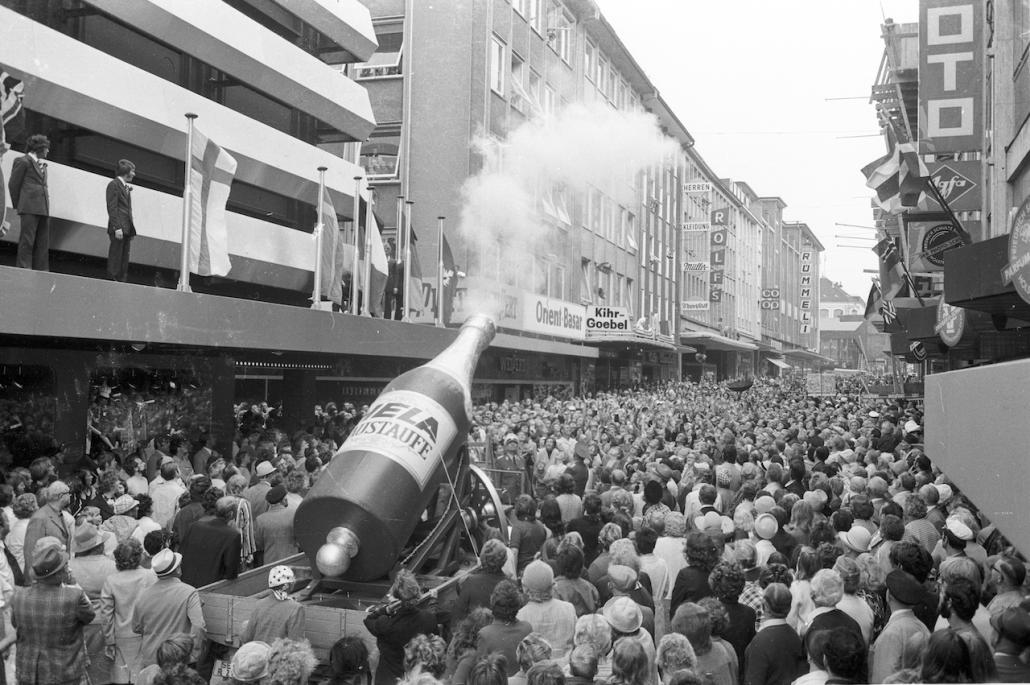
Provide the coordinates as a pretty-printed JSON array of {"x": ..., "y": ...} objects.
[{"x": 49, "y": 618}]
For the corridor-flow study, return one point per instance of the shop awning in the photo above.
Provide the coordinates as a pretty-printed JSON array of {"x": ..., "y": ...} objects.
[
  {"x": 809, "y": 356},
  {"x": 779, "y": 362},
  {"x": 714, "y": 341}
]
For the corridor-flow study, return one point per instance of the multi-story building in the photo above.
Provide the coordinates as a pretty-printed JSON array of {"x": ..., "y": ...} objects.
[{"x": 835, "y": 302}]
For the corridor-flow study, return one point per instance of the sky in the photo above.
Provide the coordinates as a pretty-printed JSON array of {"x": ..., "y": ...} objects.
[{"x": 776, "y": 94}]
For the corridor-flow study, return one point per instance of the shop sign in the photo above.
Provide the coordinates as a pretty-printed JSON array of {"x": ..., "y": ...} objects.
[
  {"x": 950, "y": 75},
  {"x": 717, "y": 254},
  {"x": 951, "y": 322},
  {"x": 696, "y": 266},
  {"x": 770, "y": 299},
  {"x": 697, "y": 187},
  {"x": 928, "y": 240},
  {"x": 696, "y": 226},
  {"x": 687, "y": 306},
  {"x": 607, "y": 322},
  {"x": 513, "y": 365},
  {"x": 547, "y": 316},
  {"x": 1017, "y": 271},
  {"x": 807, "y": 287},
  {"x": 958, "y": 182}
]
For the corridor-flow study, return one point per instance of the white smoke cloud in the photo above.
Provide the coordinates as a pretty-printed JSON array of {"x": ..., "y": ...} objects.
[{"x": 581, "y": 145}]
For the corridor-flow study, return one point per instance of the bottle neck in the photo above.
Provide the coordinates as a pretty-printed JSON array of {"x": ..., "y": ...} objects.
[{"x": 459, "y": 359}]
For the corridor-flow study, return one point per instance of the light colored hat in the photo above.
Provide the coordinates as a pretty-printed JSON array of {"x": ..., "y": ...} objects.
[
  {"x": 250, "y": 663},
  {"x": 856, "y": 539},
  {"x": 912, "y": 427},
  {"x": 165, "y": 562},
  {"x": 708, "y": 520},
  {"x": 944, "y": 493},
  {"x": 623, "y": 578},
  {"x": 766, "y": 526},
  {"x": 958, "y": 528},
  {"x": 764, "y": 504},
  {"x": 623, "y": 615},
  {"x": 124, "y": 503},
  {"x": 280, "y": 575},
  {"x": 86, "y": 538},
  {"x": 264, "y": 468}
]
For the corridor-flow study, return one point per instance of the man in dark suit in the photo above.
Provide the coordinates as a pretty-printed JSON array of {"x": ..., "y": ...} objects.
[
  {"x": 211, "y": 547},
  {"x": 49, "y": 617},
  {"x": 394, "y": 284},
  {"x": 120, "y": 228},
  {"x": 29, "y": 195}
]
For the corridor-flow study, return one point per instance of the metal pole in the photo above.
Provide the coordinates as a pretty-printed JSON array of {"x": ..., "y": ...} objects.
[
  {"x": 398, "y": 255},
  {"x": 316, "y": 295},
  {"x": 407, "y": 262},
  {"x": 367, "y": 271},
  {"x": 439, "y": 271},
  {"x": 187, "y": 202},
  {"x": 356, "y": 221}
]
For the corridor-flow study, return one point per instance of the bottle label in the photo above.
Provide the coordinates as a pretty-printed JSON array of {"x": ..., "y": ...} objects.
[{"x": 407, "y": 427}]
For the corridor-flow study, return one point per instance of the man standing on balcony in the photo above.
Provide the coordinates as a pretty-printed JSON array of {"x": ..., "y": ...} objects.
[
  {"x": 120, "y": 228},
  {"x": 29, "y": 195}
]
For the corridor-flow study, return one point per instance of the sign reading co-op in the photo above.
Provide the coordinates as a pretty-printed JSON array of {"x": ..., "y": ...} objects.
[{"x": 548, "y": 316}]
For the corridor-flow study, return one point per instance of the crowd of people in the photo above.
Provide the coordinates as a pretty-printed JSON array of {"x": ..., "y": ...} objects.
[{"x": 680, "y": 533}]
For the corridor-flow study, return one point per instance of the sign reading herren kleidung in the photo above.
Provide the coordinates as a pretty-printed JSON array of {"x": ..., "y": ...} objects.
[{"x": 553, "y": 317}]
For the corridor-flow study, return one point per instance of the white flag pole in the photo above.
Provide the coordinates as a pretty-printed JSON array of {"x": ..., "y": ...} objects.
[
  {"x": 366, "y": 309},
  {"x": 187, "y": 202},
  {"x": 398, "y": 255},
  {"x": 439, "y": 271},
  {"x": 355, "y": 222},
  {"x": 407, "y": 264},
  {"x": 316, "y": 294}
]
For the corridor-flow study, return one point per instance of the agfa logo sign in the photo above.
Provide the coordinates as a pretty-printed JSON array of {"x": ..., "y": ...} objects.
[{"x": 952, "y": 184}]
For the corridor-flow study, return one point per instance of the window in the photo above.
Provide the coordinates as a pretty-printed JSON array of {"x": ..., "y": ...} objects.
[
  {"x": 589, "y": 61},
  {"x": 519, "y": 97},
  {"x": 536, "y": 14},
  {"x": 627, "y": 296},
  {"x": 629, "y": 230},
  {"x": 540, "y": 275},
  {"x": 556, "y": 284},
  {"x": 585, "y": 294},
  {"x": 385, "y": 63},
  {"x": 379, "y": 156},
  {"x": 555, "y": 203},
  {"x": 497, "y": 64},
  {"x": 594, "y": 212},
  {"x": 550, "y": 98},
  {"x": 601, "y": 77},
  {"x": 564, "y": 37}
]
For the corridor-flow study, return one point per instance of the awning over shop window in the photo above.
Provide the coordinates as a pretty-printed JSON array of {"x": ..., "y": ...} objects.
[
  {"x": 779, "y": 362},
  {"x": 714, "y": 341}
]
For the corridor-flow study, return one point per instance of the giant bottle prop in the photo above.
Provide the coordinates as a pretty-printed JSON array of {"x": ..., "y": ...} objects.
[{"x": 361, "y": 511}]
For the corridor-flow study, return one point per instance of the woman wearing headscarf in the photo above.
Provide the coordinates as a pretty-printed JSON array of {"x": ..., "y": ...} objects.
[{"x": 277, "y": 615}]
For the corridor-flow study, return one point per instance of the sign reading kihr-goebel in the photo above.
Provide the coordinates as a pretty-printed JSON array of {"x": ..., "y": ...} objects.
[{"x": 606, "y": 322}]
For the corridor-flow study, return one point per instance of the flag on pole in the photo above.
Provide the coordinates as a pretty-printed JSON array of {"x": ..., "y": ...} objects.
[
  {"x": 873, "y": 302},
  {"x": 416, "y": 295},
  {"x": 889, "y": 312},
  {"x": 211, "y": 173},
  {"x": 450, "y": 282},
  {"x": 332, "y": 271},
  {"x": 882, "y": 176},
  {"x": 913, "y": 175},
  {"x": 380, "y": 268},
  {"x": 892, "y": 271}
]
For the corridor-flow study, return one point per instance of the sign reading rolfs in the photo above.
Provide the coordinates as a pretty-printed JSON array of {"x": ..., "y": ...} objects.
[
  {"x": 717, "y": 255},
  {"x": 606, "y": 322},
  {"x": 950, "y": 75},
  {"x": 807, "y": 289},
  {"x": 1018, "y": 269}
]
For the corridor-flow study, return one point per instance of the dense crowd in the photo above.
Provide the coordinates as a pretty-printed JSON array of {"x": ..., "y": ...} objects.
[{"x": 682, "y": 533}]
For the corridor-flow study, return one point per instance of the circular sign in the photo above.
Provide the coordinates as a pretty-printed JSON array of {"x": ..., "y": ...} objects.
[
  {"x": 951, "y": 322},
  {"x": 1018, "y": 268},
  {"x": 936, "y": 241}
]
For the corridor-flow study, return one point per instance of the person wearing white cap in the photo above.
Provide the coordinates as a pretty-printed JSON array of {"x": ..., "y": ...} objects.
[
  {"x": 170, "y": 607},
  {"x": 554, "y": 619},
  {"x": 255, "y": 494},
  {"x": 278, "y": 615}
]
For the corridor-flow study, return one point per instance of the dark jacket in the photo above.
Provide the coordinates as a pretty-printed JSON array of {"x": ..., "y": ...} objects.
[
  {"x": 119, "y": 209},
  {"x": 210, "y": 551},
  {"x": 28, "y": 187},
  {"x": 474, "y": 591},
  {"x": 392, "y": 632},
  {"x": 774, "y": 657}
]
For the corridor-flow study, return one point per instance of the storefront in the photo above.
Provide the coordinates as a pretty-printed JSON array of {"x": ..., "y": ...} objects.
[
  {"x": 628, "y": 354},
  {"x": 727, "y": 358}
]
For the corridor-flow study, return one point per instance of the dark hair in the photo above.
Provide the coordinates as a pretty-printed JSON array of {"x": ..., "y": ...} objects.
[
  {"x": 963, "y": 596},
  {"x": 566, "y": 484},
  {"x": 592, "y": 506},
  {"x": 844, "y": 654},
  {"x": 701, "y": 552},
  {"x": 862, "y": 507},
  {"x": 145, "y": 506},
  {"x": 348, "y": 657},
  {"x": 505, "y": 601},
  {"x": 37, "y": 142},
  {"x": 491, "y": 669},
  {"x": 775, "y": 573},
  {"x": 646, "y": 539},
  {"x": 842, "y": 520},
  {"x": 707, "y": 493},
  {"x": 827, "y": 554},
  {"x": 570, "y": 562},
  {"x": 154, "y": 541},
  {"x": 550, "y": 516},
  {"x": 127, "y": 554},
  {"x": 891, "y": 527},
  {"x": 946, "y": 659},
  {"x": 891, "y": 508},
  {"x": 467, "y": 632},
  {"x": 525, "y": 508},
  {"x": 912, "y": 558},
  {"x": 198, "y": 486},
  {"x": 726, "y": 581},
  {"x": 653, "y": 492},
  {"x": 174, "y": 650},
  {"x": 124, "y": 167},
  {"x": 822, "y": 531},
  {"x": 630, "y": 662}
]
